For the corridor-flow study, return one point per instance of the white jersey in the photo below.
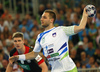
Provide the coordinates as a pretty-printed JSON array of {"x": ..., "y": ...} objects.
[{"x": 55, "y": 47}]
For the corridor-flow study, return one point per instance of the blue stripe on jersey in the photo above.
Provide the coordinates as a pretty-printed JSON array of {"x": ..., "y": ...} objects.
[
  {"x": 63, "y": 51},
  {"x": 41, "y": 35},
  {"x": 43, "y": 51},
  {"x": 65, "y": 44}
]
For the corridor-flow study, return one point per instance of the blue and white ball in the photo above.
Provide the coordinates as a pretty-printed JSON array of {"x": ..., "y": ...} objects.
[{"x": 91, "y": 10}]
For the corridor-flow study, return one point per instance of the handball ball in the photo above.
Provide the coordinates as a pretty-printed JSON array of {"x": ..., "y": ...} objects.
[{"x": 91, "y": 10}]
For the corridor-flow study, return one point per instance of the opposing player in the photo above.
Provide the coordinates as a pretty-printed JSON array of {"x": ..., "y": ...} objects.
[
  {"x": 34, "y": 65},
  {"x": 54, "y": 41}
]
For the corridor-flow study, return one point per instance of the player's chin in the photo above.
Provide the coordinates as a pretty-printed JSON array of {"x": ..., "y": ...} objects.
[{"x": 44, "y": 25}]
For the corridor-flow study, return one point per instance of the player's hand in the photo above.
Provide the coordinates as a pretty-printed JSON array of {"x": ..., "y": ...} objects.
[
  {"x": 13, "y": 59},
  {"x": 85, "y": 13}
]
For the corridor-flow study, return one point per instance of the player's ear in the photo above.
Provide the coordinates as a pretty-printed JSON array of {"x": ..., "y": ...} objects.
[
  {"x": 23, "y": 41},
  {"x": 52, "y": 20}
]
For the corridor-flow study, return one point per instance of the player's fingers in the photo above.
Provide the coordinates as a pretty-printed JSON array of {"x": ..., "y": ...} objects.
[
  {"x": 11, "y": 61},
  {"x": 85, "y": 12}
]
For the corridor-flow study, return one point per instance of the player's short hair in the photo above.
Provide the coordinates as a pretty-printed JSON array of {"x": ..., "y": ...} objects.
[
  {"x": 18, "y": 34},
  {"x": 51, "y": 13}
]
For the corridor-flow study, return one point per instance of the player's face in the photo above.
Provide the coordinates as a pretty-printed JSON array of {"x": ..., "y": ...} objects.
[
  {"x": 18, "y": 42},
  {"x": 45, "y": 20}
]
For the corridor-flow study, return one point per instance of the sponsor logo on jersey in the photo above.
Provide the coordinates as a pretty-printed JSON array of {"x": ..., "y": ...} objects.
[
  {"x": 25, "y": 66},
  {"x": 52, "y": 55},
  {"x": 54, "y": 34},
  {"x": 50, "y": 51},
  {"x": 54, "y": 59}
]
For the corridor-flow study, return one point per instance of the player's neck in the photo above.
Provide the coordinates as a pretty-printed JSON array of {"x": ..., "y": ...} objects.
[
  {"x": 22, "y": 50},
  {"x": 49, "y": 27}
]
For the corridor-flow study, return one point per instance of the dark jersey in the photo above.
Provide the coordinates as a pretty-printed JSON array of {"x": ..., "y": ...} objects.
[{"x": 27, "y": 65}]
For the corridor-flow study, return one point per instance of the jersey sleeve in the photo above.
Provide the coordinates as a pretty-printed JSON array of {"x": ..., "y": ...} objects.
[
  {"x": 39, "y": 59},
  {"x": 37, "y": 46},
  {"x": 68, "y": 30}
]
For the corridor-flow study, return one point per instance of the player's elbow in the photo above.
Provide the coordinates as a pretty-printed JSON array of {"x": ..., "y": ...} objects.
[{"x": 82, "y": 28}]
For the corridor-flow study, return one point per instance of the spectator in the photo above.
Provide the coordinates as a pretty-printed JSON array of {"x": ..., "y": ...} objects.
[
  {"x": 26, "y": 42},
  {"x": 41, "y": 9},
  {"x": 4, "y": 45},
  {"x": 24, "y": 24},
  {"x": 16, "y": 24},
  {"x": 78, "y": 64},
  {"x": 73, "y": 55},
  {"x": 85, "y": 42},
  {"x": 71, "y": 46},
  {"x": 6, "y": 15},
  {"x": 8, "y": 23},
  {"x": 80, "y": 49},
  {"x": 9, "y": 40},
  {"x": 59, "y": 21},
  {"x": 4, "y": 63},
  {"x": 5, "y": 56},
  {"x": 26, "y": 35},
  {"x": 67, "y": 21},
  {"x": 84, "y": 59},
  {"x": 92, "y": 34},
  {"x": 98, "y": 19},
  {"x": 58, "y": 6},
  {"x": 90, "y": 50},
  {"x": 32, "y": 33},
  {"x": 6, "y": 32},
  {"x": 9, "y": 49},
  {"x": 92, "y": 31},
  {"x": 29, "y": 22},
  {"x": 1, "y": 10},
  {"x": 96, "y": 56},
  {"x": 1, "y": 58},
  {"x": 2, "y": 37},
  {"x": 91, "y": 62},
  {"x": 14, "y": 29},
  {"x": 48, "y": 6},
  {"x": 17, "y": 17},
  {"x": 98, "y": 37},
  {"x": 1, "y": 25}
]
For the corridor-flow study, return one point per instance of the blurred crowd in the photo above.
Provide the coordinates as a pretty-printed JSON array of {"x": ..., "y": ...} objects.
[{"x": 84, "y": 47}]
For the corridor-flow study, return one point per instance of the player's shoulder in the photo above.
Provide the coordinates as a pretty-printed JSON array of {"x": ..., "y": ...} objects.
[
  {"x": 13, "y": 51},
  {"x": 31, "y": 48},
  {"x": 59, "y": 27}
]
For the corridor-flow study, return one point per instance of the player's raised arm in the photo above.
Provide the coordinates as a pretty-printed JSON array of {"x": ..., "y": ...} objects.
[
  {"x": 27, "y": 56},
  {"x": 82, "y": 22}
]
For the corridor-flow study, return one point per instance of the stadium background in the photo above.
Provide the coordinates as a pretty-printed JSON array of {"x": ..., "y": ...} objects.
[{"x": 24, "y": 16}]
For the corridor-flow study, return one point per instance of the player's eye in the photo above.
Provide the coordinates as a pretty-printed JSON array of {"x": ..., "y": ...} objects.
[
  {"x": 44, "y": 17},
  {"x": 19, "y": 40},
  {"x": 15, "y": 41}
]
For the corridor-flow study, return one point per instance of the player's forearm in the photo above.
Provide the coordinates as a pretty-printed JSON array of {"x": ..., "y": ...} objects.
[
  {"x": 27, "y": 56},
  {"x": 44, "y": 70},
  {"x": 9, "y": 68},
  {"x": 31, "y": 55},
  {"x": 44, "y": 67},
  {"x": 81, "y": 25}
]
